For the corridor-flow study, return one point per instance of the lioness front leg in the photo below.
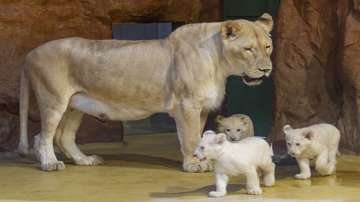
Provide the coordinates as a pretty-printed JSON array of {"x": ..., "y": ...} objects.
[
  {"x": 65, "y": 139},
  {"x": 188, "y": 126}
]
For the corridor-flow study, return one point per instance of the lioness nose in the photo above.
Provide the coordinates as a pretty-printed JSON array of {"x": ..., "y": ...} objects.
[
  {"x": 265, "y": 70},
  {"x": 194, "y": 155}
]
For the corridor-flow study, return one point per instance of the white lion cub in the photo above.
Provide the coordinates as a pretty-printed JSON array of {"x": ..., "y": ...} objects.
[
  {"x": 236, "y": 127},
  {"x": 318, "y": 142},
  {"x": 245, "y": 157}
]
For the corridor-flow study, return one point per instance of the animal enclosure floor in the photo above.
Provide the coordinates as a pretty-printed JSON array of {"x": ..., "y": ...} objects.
[{"x": 148, "y": 169}]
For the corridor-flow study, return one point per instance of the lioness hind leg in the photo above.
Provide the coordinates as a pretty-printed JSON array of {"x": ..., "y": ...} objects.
[
  {"x": 66, "y": 135},
  {"x": 50, "y": 118}
]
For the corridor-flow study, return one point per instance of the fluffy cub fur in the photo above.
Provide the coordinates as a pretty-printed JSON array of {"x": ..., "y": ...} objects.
[
  {"x": 245, "y": 157},
  {"x": 236, "y": 127},
  {"x": 318, "y": 142}
]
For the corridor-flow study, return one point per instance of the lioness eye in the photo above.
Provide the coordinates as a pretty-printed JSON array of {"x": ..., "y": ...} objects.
[
  {"x": 248, "y": 49},
  {"x": 238, "y": 130},
  {"x": 202, "y": 147},
  {"x": 268, "y": 46},
  {"x": 228, "y": 130},
  {"x": 289, "y": 144},
  {"x": 297, "y": 144}
]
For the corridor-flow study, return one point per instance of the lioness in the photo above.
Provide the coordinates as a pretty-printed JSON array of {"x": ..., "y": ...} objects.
[{"x": 183, "y": 75}]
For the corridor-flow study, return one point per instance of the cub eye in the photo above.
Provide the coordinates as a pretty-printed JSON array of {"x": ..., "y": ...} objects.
[
  {"x": 297, "y": 144},
  {"x": 268, "y": 47},
  {"x": 289, "y": 144},
  {"x": 238, "y": 130},
  {"x": 202, "y": 147},
  {"x": 228, "y": 130}
]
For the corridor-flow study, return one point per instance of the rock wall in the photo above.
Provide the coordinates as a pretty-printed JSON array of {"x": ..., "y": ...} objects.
[
  {"x": 317, "y": 67},
  {"x": 26, "y": 24}
]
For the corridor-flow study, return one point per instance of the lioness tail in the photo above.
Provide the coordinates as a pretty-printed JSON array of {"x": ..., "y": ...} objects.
[{"x": 23, "y": 147}]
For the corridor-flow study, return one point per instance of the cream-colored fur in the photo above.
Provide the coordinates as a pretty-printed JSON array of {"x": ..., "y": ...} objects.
[
  {"x": 318, "y": 142},
  {"x": 245, "y": 157},
  {"x": 183, "y": 75},
  {"x": 236, "y": 127}
]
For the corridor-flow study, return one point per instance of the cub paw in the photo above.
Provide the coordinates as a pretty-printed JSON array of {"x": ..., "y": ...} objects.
[
  {"x": 269, "y": 181},
  {"x": 302, "y": 176},
  {"x": 196, "y": 166},
  {"x": 216, "y": 194},
  {"x": 254, "y": 191},
  {"x": 90, "y": 161},
  {"x": 56, "y": 166}
]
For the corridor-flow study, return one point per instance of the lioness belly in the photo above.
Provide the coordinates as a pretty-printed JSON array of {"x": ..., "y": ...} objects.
[{"x": 104, "y": 110}]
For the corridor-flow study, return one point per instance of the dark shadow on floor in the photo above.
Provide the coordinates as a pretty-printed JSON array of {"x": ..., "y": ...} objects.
[
  {"x": 125, "y": 159},
  {"x": 173, "y": 192},
  {"x": 141, "y": 159}
]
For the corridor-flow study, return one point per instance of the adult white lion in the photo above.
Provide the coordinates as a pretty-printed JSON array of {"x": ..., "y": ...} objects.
[{"x": 183, "y": 75}]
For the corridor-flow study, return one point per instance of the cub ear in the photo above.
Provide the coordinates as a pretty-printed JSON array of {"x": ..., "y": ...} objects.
[
  {"x": 220, "y": 138},
  {"x": 308, "y": 135},
  {"x": 287, "y": 128},
  {"x": 266, "y": 22},
  {"x": 219, "y": 119},
  {"x": 208, "y": 132},
  {"x": 230, "y": 30}
]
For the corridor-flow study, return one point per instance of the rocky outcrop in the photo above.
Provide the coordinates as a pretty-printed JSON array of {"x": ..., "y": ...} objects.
[
  {"x": 26, "y": 24},
  {"x": 317, "y": 75}
]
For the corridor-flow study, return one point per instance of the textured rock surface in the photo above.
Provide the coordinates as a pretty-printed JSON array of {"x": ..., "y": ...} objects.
[
  {"x": 317, "y": 61},
  {"x": 26, "y": 24}
]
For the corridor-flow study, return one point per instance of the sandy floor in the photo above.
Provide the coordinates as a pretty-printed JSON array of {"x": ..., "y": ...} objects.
[{"x": 148, "y": 169}]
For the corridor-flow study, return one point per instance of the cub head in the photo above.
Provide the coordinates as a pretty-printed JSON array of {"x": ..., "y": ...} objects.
[
  {"x": 236, "y": 127},
  {"x": 297, "y": 140},
  {"x": 210, "y": 145},
  {"x": 247, "y": 47}
]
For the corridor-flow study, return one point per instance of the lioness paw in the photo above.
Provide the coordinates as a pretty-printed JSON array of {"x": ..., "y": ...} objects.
[
  {"x": 90, "y": 161},
  {"x": 216, "y": 194},
  {"x": 56, "y": 166},
  {"x": 196, "y": 166}
]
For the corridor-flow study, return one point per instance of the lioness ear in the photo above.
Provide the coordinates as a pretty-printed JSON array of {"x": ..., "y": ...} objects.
[
  {"x": 286, "y": 128},
  {"x": 308, "y": 135},
  {"x": 219, "y": 119},
  {"x": 220, "y": 138},
  {"x": 230, "y": 30},
  {"x": 266, "y": 22}
]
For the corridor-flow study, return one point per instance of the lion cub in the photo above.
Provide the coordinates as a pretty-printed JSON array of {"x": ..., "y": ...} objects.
[
  {"x": 318, "y": 142},
  {"x": 245, "y": 157},
  {"x": 236, "y": 127}
]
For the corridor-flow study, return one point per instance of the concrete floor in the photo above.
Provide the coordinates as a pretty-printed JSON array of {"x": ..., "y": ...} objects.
[{"x": 148, "y": 169}]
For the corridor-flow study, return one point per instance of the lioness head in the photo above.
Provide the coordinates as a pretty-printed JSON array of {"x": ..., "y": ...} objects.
[{"x": 247, "y": 47}]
